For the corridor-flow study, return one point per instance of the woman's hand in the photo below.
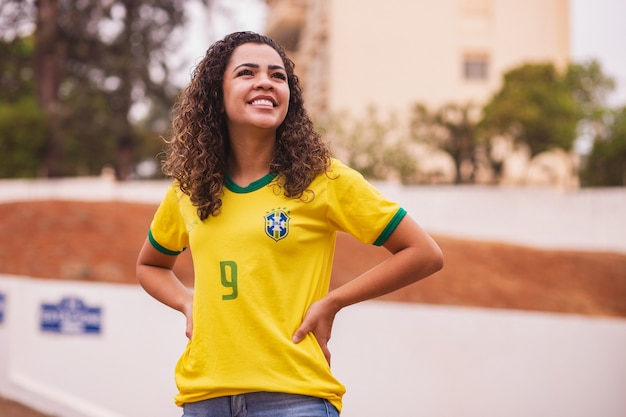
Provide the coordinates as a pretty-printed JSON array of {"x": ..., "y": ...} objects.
[
  {"x": 188, "y": 312},
  {"x": 319, "y": 321},
  {"x": 415, "y": 256}
]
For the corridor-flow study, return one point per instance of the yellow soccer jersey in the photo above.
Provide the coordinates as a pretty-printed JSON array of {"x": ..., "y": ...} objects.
[{"x": 258, "y": 266}]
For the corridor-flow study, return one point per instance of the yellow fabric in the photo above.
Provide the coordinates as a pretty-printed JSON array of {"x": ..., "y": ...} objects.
[{"x": 258, "y": 266}]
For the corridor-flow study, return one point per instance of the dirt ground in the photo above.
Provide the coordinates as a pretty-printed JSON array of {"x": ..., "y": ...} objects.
[
  {"x": 10, "y": 408},
  {"x": 98, "y": 242}
]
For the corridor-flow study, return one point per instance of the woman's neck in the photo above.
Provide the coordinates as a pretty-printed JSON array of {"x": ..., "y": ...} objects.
[{"x": 250, "y": 158}]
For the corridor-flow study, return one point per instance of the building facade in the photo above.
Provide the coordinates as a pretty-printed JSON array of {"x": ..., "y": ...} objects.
[
  {"x": 352, "y": 54},
  {"x": 355, "y": 55}
]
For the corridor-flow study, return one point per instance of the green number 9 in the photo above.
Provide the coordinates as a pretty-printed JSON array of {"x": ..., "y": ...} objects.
[{"x": 228, "y": 271}]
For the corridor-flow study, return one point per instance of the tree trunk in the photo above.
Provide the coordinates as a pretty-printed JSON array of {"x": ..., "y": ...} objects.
[
  {"x": 126, "y": 144},
  {"x": 48, "y": 64}
]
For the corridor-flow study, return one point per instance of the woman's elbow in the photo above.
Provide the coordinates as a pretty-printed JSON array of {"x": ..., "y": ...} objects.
[
  {"x": 433, "y": 259},
  {"x": 438, "y": 259}
]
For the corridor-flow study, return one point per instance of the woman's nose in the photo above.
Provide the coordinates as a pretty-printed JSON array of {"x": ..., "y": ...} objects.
[{"x": 263, "y": 83}]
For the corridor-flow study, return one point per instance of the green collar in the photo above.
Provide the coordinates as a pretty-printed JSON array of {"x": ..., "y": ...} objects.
[{"x": 253, "y": 186}]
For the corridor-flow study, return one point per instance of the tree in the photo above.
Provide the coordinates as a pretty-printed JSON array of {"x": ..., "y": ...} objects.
[
  {"x": 49, "y": 56},
  {"x": 16, "y": 75},
  {"x": 23, "y": 125},
  {"x": 92, "y": 62},
  {"x": 606, "y": 164},
  {"x": 23, "y": 133},
  {"x": 453, "y": 129},
  {"x": 590, "y": 88},
  {"x": 374, "y": 146},
  {"x": 361, "y": 142},
  {"x": 535, "y": 106}
]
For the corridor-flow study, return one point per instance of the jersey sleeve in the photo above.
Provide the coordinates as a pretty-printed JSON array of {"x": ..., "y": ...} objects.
[
  {"x": 358, "y": 208},
  {"x": 168, "y": 233}
]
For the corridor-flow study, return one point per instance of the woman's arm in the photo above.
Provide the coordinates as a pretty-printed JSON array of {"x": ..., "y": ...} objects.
[
  {"x": 415, "y": 256},
  {"x": 154, "y": 273}
]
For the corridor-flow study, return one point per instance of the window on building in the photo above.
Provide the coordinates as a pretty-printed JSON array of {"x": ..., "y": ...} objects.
[
  {"x": 476, "y": 7},
  {"x": 475, "y": 67}
]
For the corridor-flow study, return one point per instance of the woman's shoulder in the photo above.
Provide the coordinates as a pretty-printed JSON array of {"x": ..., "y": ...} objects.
[
  {"x": 338, "y": 168},
  {"x": 339, "y": 176},
  {"x": 175, "y": 194}
]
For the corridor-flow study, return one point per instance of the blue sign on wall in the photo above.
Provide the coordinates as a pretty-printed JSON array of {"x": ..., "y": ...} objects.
[
  {"x": 2, "y": 306},
  {"x": 71, "y": 316}
]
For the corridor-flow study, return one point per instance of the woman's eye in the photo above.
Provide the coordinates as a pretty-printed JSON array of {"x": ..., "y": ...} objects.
[
  {"x": 245, "y": 72},
  {"x": 280, "y": 76}
]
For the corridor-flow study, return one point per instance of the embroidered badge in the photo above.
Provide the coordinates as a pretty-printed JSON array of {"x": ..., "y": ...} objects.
[{"x": 277, "y": 224}]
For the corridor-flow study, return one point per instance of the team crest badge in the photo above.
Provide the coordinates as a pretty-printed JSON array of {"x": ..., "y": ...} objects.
[{"x": 277, "y": 224}]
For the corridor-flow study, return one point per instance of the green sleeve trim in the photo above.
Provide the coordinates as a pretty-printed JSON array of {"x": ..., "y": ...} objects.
[
  {"x": 391, "y": 226},
  {"x": 160, "y": 248}
]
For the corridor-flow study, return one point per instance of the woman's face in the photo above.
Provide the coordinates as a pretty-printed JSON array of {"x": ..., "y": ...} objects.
[{"x": 256, "y": 91}]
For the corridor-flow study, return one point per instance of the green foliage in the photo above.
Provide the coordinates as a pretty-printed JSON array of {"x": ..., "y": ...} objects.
[
  {"x": 535, "y": 106},
  {"x": 91, "y": 131},
  {"x": 23, "y": 133},
  {"x": 151, "y": 132},
  {"x": 606, "y": 164},
  {"x": 401, "y": 163},
  {"x": 452, "y": 128},
  {"x": 590, "y": 88},
  {"x": 16, "y": 72},
  {"x": 23, "y": 126},
  {"x": 110, "y": 55},
  {"x": 544, "y": 109},
  {"x": 371, "y": 145}
]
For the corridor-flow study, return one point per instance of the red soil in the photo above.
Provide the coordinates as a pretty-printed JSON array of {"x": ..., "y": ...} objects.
[{"x": 88, "y": 241}]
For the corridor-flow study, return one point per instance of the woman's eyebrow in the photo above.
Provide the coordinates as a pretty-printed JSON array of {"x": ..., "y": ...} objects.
[{"x": 251, "y": 65}]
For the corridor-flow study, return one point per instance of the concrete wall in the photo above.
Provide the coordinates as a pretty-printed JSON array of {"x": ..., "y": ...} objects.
[
  {"x": 124, "y": 370},
  {"x": 586, "y": 219},
  {"x": 407, "y": 360}
]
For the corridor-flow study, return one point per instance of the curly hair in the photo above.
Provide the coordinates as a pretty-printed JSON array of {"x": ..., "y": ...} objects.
[{"x": 197, "y": 151}]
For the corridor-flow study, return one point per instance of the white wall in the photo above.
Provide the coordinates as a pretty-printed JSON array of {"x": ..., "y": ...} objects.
[
  {"x": 395, "y": 359},
  {"x": 587, "y": 219},
  {"x": 441, "y": 361},
  {"x": 126, "y": 370}
]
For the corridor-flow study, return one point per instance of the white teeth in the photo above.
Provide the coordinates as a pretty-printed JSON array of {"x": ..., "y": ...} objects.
[{"x": 262, "y": 103}]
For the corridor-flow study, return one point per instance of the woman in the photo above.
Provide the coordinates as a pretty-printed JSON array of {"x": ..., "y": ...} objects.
[{"x": 258, "y": 200}]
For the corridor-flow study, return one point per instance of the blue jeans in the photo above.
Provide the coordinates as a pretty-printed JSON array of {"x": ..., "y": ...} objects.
[{"x": 261, "y": 404}]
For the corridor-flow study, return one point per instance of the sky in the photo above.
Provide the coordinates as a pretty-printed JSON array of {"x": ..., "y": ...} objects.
[
  {"x": 597, "y": 31},
  {"x": 201, "y": 30}
]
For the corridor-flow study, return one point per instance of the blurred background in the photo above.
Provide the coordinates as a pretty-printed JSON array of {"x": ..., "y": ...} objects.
[
  {"x": 500, "y": 125},
  {"x": 471, "y": 92}
]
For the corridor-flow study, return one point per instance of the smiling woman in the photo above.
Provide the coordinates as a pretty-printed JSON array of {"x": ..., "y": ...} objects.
[
  {"x": 198, "y": 153},
  {"x": 256, "y": 99},
  {"x": 259, "y": 200}
]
